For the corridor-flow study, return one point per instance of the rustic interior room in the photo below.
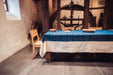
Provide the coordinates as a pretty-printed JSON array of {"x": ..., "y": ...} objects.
[{"x": 56, "y": 37}]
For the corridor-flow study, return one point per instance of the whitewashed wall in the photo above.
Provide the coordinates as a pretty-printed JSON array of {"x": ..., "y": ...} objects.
[{"x": 13, "y": 33}]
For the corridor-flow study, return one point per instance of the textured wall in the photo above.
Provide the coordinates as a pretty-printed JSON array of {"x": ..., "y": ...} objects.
[{"x": 13, "y": 33}]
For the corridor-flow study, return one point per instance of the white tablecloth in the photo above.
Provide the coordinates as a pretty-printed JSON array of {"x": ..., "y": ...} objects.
[{"x": 76, "y": 46}]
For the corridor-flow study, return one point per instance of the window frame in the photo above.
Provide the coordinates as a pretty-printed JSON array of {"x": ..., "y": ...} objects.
[{"x": 6, "y": 5}]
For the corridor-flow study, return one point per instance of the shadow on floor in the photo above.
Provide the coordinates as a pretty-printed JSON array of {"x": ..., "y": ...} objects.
[{"x": 81, "y": 59}]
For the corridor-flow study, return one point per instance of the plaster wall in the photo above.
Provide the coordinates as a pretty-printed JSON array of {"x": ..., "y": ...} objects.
[{"x": 13, "y": 33}]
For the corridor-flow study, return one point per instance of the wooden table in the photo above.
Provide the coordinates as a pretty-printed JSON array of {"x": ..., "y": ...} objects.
[{"x": 100, "y": 41}]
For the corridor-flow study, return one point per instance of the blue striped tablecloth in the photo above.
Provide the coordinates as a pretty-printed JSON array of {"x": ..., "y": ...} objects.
[
  {"x": 100, "y": 41},
  {"x": 79, "y": 35}
]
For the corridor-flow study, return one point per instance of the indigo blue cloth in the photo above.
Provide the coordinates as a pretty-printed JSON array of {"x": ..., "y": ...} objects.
[{"x": 79, "y": 35}]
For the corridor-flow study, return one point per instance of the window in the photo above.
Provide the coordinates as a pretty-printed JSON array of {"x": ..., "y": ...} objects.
[{"x": 12, "y": 9}]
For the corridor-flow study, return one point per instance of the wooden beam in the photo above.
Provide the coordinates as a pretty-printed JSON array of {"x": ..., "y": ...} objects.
[
  {"x": 108, "y": 15},
  {"x": 50, "y": 7},
  {"x": 58, "y": 14},
  {"x": 86, "y": 11},
  {"x": 72, "y": 19},
  {"x": 54, "y": 5},
  {"x": 96, "y": 8},
  {"x": 45, "y": 16}
]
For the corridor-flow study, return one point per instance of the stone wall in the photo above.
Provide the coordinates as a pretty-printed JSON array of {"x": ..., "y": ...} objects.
[{"x": 13, "y": 33}]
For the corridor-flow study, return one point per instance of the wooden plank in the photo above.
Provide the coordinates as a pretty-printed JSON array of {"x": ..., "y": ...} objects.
[
  {"x": 72, "y": 19},
  {"x": 96, "y": 8}
]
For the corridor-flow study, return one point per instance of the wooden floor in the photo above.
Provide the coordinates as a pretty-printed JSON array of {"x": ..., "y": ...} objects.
[{"x": 22, "y": 64}]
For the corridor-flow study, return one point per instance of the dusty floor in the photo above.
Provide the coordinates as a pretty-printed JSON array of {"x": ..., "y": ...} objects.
[{"x": 22, "y": 64}]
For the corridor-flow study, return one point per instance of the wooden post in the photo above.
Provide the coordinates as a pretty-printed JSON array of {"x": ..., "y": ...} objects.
[
  {"x": 58, "y": 14},
  {"x": 86, "y": 10},
  {"x": 50, "y": 7},
  {"x": 45, "y": 16},
  {"x": 108, "y": 14},
  {"x": 48, "y": 57},
  {"x": 54, "y": 2},
  {"x": 71, "y": 8}
]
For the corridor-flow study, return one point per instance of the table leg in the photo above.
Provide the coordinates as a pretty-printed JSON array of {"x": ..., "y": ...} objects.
[
  {"x": 48, "y": 57},
  {"x": 94, "y": 56}
]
